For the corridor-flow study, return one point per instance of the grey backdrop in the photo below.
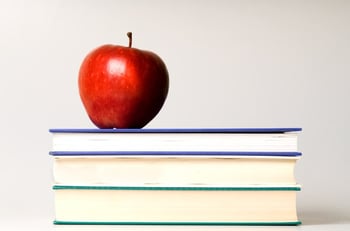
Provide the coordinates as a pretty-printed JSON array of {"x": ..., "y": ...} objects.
[{"x": 231, "y": 63}]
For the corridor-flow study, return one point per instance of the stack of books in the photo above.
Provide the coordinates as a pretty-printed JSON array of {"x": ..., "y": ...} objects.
[{"x": 233, "y": 176}]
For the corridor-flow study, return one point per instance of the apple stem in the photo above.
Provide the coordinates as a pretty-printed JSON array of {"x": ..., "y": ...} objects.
[{"x": 129, "y": 34}]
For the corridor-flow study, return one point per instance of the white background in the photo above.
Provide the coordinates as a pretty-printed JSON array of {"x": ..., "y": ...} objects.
[{"x": 231, "y": 64}]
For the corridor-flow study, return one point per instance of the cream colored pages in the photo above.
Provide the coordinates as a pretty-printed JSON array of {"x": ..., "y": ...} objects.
[{"x": 173, "y": 171}]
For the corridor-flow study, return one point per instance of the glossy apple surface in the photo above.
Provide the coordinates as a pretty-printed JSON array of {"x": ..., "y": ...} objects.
[{"x": 122, "y": 87}]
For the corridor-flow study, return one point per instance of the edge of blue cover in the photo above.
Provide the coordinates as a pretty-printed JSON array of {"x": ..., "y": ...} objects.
[
  {"x": 173, "y": 153},
  {"x": 176, "y": 130}
]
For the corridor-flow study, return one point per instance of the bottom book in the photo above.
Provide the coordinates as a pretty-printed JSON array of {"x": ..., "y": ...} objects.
[{"x": 156, "y": 205}]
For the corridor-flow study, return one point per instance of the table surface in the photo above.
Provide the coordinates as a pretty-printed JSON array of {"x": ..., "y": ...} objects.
[{"x": 44, "y": 223}]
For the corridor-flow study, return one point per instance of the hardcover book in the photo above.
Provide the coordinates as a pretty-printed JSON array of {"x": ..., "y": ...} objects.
[
  {"x": 176, "y": 205},
  {"x": 174, "y": 168},
  {"x": 205, "y": 139}
]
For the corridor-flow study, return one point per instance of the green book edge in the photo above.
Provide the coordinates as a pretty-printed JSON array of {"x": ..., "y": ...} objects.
[
  {"x": 255, "y": 188},
  {"x": 257, "y": 223}
]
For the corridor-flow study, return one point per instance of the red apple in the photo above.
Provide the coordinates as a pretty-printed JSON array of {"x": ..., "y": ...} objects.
[{"x": 122, "y": 87}]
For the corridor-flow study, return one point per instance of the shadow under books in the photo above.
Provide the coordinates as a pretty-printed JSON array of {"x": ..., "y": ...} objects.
[{"x": 324, "y": 216}]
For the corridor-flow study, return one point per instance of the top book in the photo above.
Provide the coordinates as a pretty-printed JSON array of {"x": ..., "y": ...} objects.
[{"x": 175, "y": 140}]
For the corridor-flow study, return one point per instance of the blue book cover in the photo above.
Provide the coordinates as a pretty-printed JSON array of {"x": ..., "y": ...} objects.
[
  {"x": 173, "y": 153},
  {"x": 177, "y": 130}
]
